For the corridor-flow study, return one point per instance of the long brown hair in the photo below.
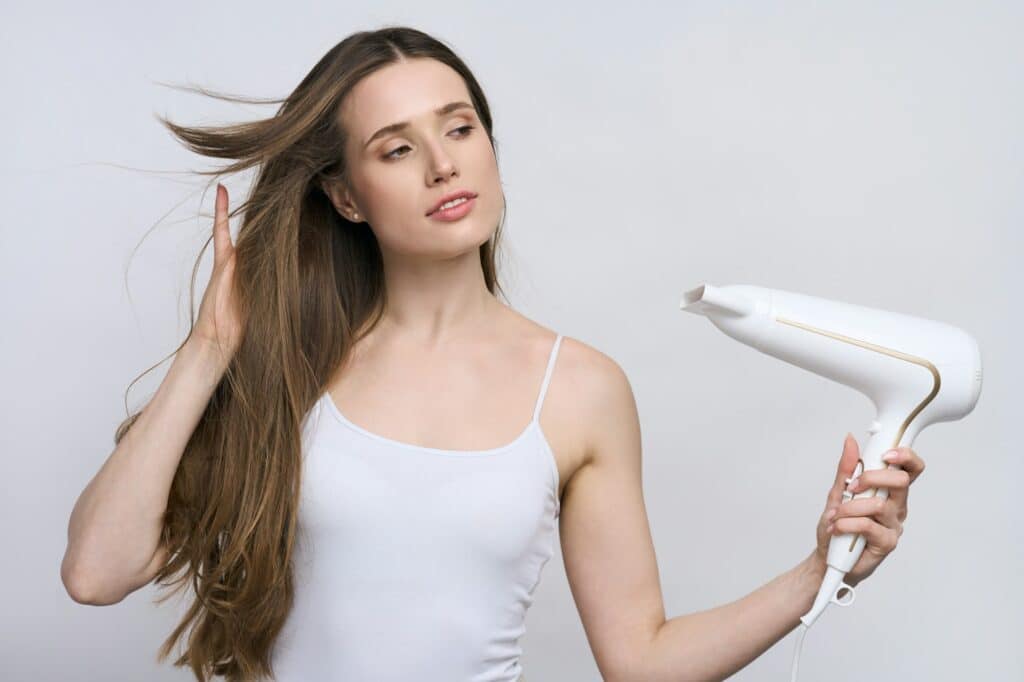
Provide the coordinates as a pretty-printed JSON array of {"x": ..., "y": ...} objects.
[{"x": 309, "y": 284}]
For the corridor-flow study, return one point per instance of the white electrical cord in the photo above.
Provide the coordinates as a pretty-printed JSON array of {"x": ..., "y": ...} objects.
[{"x": 799, "y": 644}]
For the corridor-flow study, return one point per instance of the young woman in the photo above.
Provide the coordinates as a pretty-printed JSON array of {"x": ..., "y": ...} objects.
[{"x": 359, "y": 454}]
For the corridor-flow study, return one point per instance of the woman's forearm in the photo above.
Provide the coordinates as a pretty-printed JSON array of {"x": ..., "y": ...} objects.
[
  {"x": 714, "y": 644},
  {"x": 115, "y": 525}
]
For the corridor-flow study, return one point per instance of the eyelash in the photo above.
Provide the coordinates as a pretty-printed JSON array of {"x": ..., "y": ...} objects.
[{"x": 390, "y": 155}]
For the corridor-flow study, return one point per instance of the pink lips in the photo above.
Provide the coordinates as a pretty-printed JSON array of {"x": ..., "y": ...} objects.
[
  {"x": 455, "y": 212},
  {"x": 452, "y": 196}
]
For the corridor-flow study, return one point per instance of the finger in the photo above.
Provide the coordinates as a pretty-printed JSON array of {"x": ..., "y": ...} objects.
[
  {"x": 847, "y": 464},
  {"x": 911, "y": 465},
  {"x": 884, "y": 512},
  {"x": 909, "y": 461},
  {"x": 894, "y": 480},
  {"x": 880, "y": 540},
  {"x": 221, "y": 233}
]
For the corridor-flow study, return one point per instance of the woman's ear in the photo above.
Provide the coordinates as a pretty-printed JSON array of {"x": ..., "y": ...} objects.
[{"x": 341, "y": 200}]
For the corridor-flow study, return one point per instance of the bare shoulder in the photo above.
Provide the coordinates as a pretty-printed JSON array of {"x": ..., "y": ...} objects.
[
  {"x": 604, "y": 396},
  {"x": 592, "y": 409},
  {"x": 596, "y": 374},
  {"x": 589, "y": 410}
]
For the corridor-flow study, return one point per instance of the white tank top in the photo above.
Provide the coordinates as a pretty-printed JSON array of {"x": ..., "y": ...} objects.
[{"x": 416, "y": 563}]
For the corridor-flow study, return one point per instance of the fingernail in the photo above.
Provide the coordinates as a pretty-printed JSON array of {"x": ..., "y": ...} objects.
[
  {"x": 890, "y": 456},
  {"x": 831, "y": 513},
  {"x": 830, "y": 527},
  {"x": 853, "y": 483}
]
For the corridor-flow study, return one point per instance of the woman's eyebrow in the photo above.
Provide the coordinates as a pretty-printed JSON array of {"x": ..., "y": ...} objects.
[{"x": 395, "y": 127}]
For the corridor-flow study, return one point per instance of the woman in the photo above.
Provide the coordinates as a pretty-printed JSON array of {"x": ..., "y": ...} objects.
[{"x": 359, "y": 454}]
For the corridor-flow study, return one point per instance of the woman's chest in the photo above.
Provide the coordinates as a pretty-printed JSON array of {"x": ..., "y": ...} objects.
[
  {"x": 473, "y": 405},
  {"x": 360, "y": 491}
]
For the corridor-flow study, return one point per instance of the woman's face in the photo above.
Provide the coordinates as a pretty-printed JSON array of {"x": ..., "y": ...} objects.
[{"x": 398, "y": 176}]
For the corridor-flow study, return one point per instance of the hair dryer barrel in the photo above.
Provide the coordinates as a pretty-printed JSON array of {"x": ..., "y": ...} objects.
[{"x": 894, "y": 359}]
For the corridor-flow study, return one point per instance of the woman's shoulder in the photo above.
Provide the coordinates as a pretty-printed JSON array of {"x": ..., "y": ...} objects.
[
  {"x": 588, "y": 389},
  {"x": 582, "y": 371}
]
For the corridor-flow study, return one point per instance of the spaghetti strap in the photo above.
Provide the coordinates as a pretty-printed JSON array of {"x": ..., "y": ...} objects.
[{"x": 547, "y": 377}]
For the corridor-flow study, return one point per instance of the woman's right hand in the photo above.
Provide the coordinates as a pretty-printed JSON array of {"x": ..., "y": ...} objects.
[{"x": 219, "y": 325}]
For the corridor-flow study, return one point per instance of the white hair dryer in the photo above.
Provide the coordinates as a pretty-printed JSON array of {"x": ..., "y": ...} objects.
[{"x": 915, "y": 371}]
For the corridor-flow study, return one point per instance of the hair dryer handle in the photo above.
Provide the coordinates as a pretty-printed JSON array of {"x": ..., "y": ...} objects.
[{"x": 844, "y": 550}]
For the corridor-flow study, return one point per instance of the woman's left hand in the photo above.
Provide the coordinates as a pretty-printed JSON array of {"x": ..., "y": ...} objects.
[{"x": 879, "y": 521}]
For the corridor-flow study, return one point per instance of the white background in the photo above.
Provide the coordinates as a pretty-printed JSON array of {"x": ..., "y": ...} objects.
[{"x": 867, "y": 152}]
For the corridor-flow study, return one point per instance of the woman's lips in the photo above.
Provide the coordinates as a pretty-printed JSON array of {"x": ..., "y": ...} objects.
[{"x": 455, "y": 212}]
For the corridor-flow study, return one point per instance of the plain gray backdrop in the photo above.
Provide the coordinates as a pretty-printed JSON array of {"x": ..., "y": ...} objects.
[{"x": 867, "y": 152}]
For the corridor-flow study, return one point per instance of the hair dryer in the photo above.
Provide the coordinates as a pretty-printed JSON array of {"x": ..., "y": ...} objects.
[{"x": 915, "y": 371}]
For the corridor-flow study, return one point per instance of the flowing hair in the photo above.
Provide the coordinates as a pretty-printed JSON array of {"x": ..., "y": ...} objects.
[{"x": 309, "y": 284}]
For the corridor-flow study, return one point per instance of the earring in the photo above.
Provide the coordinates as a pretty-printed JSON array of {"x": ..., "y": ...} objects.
[{"x": 355, "y": 216}]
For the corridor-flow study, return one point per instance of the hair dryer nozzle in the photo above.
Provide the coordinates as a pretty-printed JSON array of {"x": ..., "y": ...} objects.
[{"x": 706, "y": 298}]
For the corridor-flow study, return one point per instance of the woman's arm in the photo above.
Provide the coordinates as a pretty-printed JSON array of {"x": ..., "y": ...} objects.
[
  {"x": 115, "y": 526},
  {"x": 714, "y": 644},
  {"x": 613, "y": 574}
]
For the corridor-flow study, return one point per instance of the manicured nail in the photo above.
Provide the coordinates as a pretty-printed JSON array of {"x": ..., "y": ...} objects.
[
  {"x": 831, "y": 513},
  {"x": 890, "y": 456}
]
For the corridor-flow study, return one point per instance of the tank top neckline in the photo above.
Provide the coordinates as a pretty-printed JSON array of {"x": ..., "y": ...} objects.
[
  {"x": 420, "y": 448},
  {"x": 534, "y": 421}
]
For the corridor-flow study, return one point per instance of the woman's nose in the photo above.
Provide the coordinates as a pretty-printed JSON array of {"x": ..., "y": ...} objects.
[{"x": 442, "y": 163}]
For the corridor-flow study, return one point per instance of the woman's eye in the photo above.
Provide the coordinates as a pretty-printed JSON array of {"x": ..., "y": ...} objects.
[{"x": 393, "y": 154}]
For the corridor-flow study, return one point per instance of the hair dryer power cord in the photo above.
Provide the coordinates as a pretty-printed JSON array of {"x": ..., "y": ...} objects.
[{"x": 799, "y": 645}]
